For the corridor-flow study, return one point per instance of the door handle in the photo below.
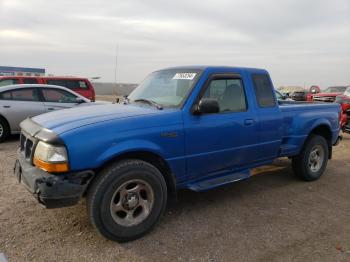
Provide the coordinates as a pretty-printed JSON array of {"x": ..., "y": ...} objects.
[
  {"x": 249, "y": 122},
  {"x": 51, "y": 108},
  {"x": 6, "y": 106}
]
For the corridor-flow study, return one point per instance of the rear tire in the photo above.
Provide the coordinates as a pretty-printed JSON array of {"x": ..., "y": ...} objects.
[
  {"x": 311, "y": 162},
  {"x": 4, "y": 130},
  {"x": 126, "y": 200}
]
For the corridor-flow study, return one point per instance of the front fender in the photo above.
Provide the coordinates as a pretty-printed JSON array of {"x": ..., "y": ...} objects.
[{"x": 134, "y": 145}]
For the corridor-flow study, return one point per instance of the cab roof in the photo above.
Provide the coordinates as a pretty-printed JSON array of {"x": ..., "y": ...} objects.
[{"x": 218, "y": 68}]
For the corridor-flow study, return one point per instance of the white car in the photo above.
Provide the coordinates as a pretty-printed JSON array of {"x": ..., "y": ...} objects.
[{"x": 17, "y": 102}]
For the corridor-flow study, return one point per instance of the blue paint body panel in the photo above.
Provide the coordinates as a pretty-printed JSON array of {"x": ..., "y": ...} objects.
[{"x": 204, "y": 151}]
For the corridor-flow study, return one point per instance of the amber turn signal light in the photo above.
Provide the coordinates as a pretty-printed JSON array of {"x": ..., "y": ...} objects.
[{"x": 51, "y": 167}]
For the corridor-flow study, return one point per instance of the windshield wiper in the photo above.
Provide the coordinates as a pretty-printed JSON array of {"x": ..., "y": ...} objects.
[{"x": 150, "y": 102}]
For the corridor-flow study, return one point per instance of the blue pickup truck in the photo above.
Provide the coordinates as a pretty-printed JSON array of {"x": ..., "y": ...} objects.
[{"x": 184, "y": 127}]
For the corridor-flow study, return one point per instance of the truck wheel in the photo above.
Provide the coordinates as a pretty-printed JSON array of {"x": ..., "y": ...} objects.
[
  {"x": 311, "y": 162},
  {"x": 126, "y": 200},
  {"x": 4, "y": 130}
]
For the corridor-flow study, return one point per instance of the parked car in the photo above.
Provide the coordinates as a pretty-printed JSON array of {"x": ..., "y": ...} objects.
[
  {"x": 81, "y": 86},
  {"x": 17, "y": 102},
  {"x": 329, "y": 94},
  {"x": 186, "y": 127},
  {"x": 299, "y": 95},
  {"x": 281, "y": 97},
  {"x": 344, "y": 101},
  {"x": 312, "y": 91},
  {"x": 289, "y": 90}
]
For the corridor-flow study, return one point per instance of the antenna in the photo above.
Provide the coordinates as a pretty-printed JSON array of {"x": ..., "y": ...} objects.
[
  {"x": 116, "y": 66},
  {"x": 116, "y": 62}
]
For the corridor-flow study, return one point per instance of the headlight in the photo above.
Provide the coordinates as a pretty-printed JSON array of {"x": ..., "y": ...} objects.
[{"x": 51, "y": 158}]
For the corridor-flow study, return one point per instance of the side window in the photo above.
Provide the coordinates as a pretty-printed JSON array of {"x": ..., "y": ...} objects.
[
  {"x": 5, "y": 95},
  {"x": 58, "y": 96},
  {"x": 229, "y": 93},
  {"x": 25, "y": 94},
  {"x": 263, "y": 90},
  {"x": 30, "y": 81},
  {"x": 6, "y": 82},
  {"x": 71, "y": 84},
  {"x": 83, "y": 85}
]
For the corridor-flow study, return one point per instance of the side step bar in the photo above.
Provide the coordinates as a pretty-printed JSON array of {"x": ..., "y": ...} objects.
[{"x": 210, "y": 183}]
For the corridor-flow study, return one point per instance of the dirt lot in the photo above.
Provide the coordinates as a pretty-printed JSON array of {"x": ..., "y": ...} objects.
[{"x": 270, "y": 217}]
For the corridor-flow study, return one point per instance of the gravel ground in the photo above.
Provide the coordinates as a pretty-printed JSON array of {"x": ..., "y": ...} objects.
[{"x": 270, "y": 217}]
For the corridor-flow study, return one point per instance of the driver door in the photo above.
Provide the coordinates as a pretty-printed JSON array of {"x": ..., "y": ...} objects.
[{"x": 223, "y": 141}]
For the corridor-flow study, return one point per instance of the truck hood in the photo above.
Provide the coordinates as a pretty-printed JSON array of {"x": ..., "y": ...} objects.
[{"x": 67, "y": 119}]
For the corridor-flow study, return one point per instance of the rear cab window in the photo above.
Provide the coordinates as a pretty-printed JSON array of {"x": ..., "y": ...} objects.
[{"x": 263, "y": 90}]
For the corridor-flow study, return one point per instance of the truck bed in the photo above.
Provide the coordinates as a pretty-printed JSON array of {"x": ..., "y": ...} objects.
[{"x": 302, "y": 117}]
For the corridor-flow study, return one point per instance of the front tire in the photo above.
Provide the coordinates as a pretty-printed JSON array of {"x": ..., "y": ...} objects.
[
  {"x": 311, "y": 162},
  {"x": 126, "y": 200}
]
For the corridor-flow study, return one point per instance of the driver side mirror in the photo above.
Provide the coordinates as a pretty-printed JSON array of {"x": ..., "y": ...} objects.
[
  {"x": 79, "y": 100},
  {"x": 207, "y": 106}
]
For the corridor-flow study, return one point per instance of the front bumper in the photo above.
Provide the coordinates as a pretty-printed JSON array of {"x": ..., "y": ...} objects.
[{"x": 51, "y": 190}]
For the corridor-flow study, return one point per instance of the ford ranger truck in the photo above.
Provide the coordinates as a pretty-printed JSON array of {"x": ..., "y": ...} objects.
[{"x": 185, "y": 127}]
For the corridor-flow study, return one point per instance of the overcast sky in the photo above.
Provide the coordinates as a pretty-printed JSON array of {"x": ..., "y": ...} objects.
[{"x": 298, "y": 41}]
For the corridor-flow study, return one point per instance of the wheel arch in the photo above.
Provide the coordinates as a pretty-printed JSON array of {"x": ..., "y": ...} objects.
[
  {"x": 6, "y": 121},
  {"x": 323, "y": 130},
  {"x": 151, "y": 158}
]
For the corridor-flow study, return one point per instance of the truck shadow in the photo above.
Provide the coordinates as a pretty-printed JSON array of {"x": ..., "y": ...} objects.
[
  {"x": 222, "y": 213},
  {"x": 282, "y": 176}
]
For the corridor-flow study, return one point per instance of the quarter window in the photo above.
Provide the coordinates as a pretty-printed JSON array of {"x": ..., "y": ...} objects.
[
  {"x": 263, "y": 90},
  {"x": 229, "y": 93}
]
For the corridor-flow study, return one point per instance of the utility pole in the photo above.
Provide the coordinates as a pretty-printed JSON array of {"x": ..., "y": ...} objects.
[
  {"x": 115, "y": 69},
  {"x": 116, "y": 62}
]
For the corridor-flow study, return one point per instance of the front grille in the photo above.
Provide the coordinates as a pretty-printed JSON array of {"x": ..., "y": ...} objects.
[
  {"x": 324, "y": 98},
  {"x": 27, "y": 146}
]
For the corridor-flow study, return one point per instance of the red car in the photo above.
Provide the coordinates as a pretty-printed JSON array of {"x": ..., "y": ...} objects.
[
  {"x": 329, "y": 94},
  {"x": 312, "y": 91},
  {"x": 80, "y": 85},
  {"x": 344, "y": 101}
]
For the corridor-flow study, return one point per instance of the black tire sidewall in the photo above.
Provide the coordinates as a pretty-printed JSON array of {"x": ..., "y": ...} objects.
[
  {"x": 6, "y": 130},
  {"x": 114, "y": 178},
  {"x": 313, "y": 141}
]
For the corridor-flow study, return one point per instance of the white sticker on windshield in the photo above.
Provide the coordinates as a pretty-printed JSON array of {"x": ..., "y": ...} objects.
[{"x": 184, "y": 76}]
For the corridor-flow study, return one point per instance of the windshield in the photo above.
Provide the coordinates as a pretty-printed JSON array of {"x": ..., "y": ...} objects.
[
  {"x": 168, "y": 88},
  {"x": 278, "y": 95},
  {"x": 347, "y": 92},
  {"x": 335, "y": 89}
]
